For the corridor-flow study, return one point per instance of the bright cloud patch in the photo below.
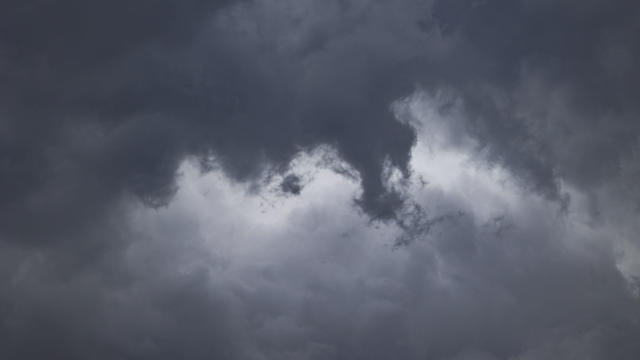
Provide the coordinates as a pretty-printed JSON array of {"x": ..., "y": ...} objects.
[{"x": 511, "y": 275}]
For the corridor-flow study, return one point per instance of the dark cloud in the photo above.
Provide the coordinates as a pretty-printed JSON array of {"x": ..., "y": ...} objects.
[
  {"x": 291, "y": 184},
  {"x": 549, "y": 87},
  {"x": 69, "y": 143},
  {"x": 259, "y": 82},
  {"x": 100, "y": 103},
  {"x": 104, "y": 99}
]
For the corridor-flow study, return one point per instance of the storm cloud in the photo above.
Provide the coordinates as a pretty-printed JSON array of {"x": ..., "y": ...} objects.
[{"x": 343, "y": 179}]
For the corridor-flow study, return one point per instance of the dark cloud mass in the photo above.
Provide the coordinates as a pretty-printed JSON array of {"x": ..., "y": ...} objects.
[{"x": 102, "y": 102}]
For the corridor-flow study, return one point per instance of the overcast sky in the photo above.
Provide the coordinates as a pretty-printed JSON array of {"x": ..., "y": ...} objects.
[{"x": 319, "y": 180}]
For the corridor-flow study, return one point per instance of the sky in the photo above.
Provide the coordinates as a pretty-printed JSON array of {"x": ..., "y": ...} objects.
[{"x": 319, "y": 180}]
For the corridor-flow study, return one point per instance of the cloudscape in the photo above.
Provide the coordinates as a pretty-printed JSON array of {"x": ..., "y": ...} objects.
[{"x": 319, "y": 180}]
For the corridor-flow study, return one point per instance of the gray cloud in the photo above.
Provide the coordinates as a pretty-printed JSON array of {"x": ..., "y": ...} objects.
[
  {"x": 545, "y": 90},
  {"x": 101, "y": 102},
  {"x": 516, "y": 286},
  {"x": 117, "y": 110},
  {"x": 260, "y": 81}
]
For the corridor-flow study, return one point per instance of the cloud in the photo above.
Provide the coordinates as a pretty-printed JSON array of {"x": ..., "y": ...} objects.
[
  {"x": 542, "y": 91},
  {"x": 259, "y": 276},
  {"x": 291, "y": 184},
  {"x": 107, "y": 110},
  {"x": 116, "y": 108},
  {"x": 145, "y": 148}
]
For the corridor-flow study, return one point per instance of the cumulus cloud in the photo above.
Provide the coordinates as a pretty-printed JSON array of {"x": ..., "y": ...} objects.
[{"x": 222, "y": 272}]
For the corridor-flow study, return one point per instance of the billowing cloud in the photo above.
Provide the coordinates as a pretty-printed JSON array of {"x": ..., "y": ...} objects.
[
  {"x": 225, "y": 273},
  {"x": 348, "y": 179}
]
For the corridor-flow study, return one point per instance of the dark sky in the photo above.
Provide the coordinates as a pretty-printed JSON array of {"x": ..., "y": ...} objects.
[{"x": 306, "y": 179}]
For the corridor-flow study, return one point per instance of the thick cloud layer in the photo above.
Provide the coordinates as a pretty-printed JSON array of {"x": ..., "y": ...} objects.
[
  {"x": 117, "y": 110},
  {"x": 101, "y": 104},
  {"x": 136, "y": 87}
]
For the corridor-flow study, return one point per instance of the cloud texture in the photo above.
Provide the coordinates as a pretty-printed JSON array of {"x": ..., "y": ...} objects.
[{"x": 344, "y": 179}]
